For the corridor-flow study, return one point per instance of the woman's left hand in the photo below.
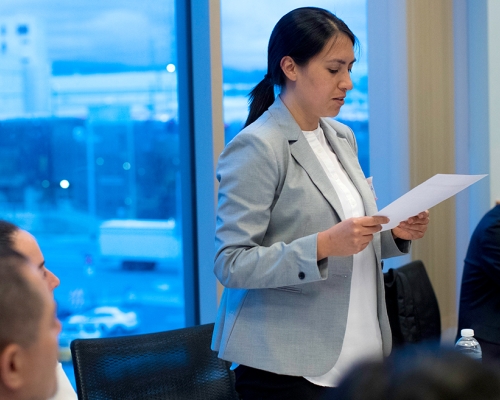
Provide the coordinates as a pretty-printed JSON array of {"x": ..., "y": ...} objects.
[{"x": 413, "y": 228}]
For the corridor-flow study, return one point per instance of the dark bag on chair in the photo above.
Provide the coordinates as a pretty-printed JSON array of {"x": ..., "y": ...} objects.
[{"x": 412, "y": 305}]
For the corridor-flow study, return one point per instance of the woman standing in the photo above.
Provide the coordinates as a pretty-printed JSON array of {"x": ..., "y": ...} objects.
[{"x": 298, "y": 251}]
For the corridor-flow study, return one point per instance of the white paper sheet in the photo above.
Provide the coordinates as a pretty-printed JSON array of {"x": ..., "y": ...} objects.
[{"x": 426, "y": 195}]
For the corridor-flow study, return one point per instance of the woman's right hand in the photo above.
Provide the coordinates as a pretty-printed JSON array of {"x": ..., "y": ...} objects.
[{"x": 348, "y": 237}]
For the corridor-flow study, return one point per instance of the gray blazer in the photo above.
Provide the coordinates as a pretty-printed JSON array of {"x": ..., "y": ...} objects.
[{"x": 282, "y": 310}]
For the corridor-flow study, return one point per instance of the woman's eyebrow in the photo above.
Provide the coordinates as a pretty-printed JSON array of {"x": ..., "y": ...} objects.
[{"x": 340, "y": 61}]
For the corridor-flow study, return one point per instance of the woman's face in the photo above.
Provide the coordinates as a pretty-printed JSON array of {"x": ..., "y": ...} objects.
[
  {"x": 26, "y": 244},
  {"x": 320, "y": 86}
]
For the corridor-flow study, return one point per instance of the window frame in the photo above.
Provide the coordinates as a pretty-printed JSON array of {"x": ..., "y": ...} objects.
[{"x": 201, "y": 138}]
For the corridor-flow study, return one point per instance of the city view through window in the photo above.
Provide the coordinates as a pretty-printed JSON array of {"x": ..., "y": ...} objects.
[
  {"x": 245, "y": 35},
  {"x": 89, "y": 145},
  {"x": 89, "y": 158}
]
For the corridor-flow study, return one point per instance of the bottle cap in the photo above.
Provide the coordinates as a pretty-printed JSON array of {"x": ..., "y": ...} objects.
[{"x": 467, "y": 332}]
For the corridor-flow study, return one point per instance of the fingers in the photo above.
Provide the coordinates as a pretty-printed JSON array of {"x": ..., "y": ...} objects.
[
  {"x": 424, "y": 214},
  {"x": 372, "y": 221},
  {"x": 421, "y": 218},
  {"x": 359, "y": 243},
  {"x": 348, "y": 237},
  {"x": 415, "y": 231},
  {"x": 370, "y": 225},
  {"x": 414, "y": 227}
]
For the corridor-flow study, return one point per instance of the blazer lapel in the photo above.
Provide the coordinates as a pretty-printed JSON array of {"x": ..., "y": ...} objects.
[
  {"x": 304, "y": 155},
  {"x": 349, "y": 160}
]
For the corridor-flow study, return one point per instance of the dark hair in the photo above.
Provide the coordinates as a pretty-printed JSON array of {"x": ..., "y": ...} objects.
[
  {"x": 300, "y": 34},
  {"x": 7, "y": 230},
  {"x": 21, "y": 304},
  {"x": 422, "y": 374}
]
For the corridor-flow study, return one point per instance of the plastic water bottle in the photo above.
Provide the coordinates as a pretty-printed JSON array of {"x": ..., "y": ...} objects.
[{"x": 468, "y": 345}]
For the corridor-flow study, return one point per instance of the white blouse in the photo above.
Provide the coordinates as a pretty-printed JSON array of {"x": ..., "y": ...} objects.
[
  {"x": 362, "y": 338},
  {"x": 64, "y": 389}
]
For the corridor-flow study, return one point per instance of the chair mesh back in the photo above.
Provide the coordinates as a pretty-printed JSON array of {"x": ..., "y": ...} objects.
[{"x": 176, "y": 364}]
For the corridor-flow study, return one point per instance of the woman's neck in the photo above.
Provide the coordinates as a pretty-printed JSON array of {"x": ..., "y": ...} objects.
[{"x": 305, "y": 120}]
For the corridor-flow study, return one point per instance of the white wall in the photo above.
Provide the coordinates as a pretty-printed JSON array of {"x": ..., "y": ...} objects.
[
  {"x": 477, "y": 107},
  {"x": 388, "y": 102},
  {"x": 494, "y": 97}
]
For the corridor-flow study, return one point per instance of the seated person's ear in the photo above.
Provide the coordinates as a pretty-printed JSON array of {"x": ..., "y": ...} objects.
[{"x": 13, "y": 362}]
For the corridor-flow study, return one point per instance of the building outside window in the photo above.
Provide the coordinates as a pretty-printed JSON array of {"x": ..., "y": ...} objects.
[
  {"x": 246, "y": 28},
  {"x": 89, "y": 145},
  {"x": 89, "y": 158}
]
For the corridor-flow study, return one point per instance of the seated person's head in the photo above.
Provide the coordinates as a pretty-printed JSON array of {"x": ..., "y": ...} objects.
[
  {"x": 422, "y": 373},
  {"x": 22, "y": 241},
  {"x": 28, "y": 331}
]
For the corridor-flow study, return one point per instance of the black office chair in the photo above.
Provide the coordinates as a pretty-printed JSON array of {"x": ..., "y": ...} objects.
[
  {"x": 169, "y": 365},
  {"x": 412, "y": 305}
]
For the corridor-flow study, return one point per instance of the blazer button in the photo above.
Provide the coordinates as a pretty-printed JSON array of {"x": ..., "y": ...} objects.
[{"x": 302, "y": 275}]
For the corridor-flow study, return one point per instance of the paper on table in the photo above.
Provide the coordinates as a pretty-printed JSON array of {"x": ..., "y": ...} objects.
[{"x": 426, "y": 195}]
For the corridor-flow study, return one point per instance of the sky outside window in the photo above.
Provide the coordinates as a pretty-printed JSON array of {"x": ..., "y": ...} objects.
[
  {"x": 89, "y": 146},
  {"x": 89, "y": 157},
  {"x": 246, "y": 28}
]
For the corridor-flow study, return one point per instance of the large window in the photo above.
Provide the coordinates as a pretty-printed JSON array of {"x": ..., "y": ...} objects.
[
  {"x": 89, "y": 157},
  {"x": 246, "y": 28}
]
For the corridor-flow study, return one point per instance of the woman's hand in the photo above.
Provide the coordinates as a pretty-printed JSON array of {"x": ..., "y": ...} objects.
[
  {"x": 413, "y": 228},
  {"x": 348, "y": 237}
]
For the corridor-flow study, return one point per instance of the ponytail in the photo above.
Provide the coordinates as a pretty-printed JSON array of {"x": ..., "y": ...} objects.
[{"x": 261, "y": 97}]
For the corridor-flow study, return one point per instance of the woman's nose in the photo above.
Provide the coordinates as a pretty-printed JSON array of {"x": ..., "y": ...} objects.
[{"x": 346, "y": 83}]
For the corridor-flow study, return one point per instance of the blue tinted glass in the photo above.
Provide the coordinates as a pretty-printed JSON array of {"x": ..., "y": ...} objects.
[
  {"x": 246, "y": 28},
  {"x": 89, "y": 157}
]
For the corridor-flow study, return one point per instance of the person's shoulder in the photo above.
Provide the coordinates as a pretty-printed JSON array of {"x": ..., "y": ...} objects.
[
  {"x": 495, "y": 212},
  {"x": 490, "y": 220},
  {"x": 264, "y": 130},
  {"x": 260, "y": 145},
  {"x": 490, "y": 226}
]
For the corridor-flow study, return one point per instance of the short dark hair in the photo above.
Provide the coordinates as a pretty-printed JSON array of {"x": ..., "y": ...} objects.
[
  {"x": 7, "y": 231},
  {"x": 422, "y": 373},
  {"x": 300, "y": 34},
  {"x": 21, "y": 304}
]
